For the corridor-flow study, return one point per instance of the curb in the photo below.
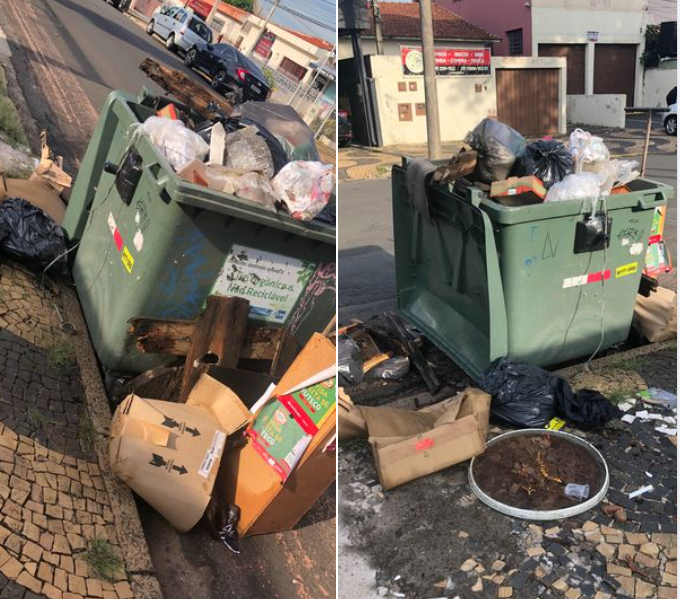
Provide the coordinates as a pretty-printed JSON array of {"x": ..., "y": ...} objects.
[{"x": 127, "y": 523}]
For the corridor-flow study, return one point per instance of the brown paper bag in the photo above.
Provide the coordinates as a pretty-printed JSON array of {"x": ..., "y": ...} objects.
[{"x": 656, "y": 316}]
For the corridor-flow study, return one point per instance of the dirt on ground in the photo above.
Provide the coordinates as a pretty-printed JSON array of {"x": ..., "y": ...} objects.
[{"x": 532, "y": 472}]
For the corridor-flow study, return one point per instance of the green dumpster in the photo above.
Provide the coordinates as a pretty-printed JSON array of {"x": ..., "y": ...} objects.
[
  {"x": 485, "y": 281},
  {"x": 158, "y": 245}
]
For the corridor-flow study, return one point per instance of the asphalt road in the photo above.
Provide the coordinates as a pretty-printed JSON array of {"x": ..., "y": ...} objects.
[
  {"x": 68, "y": 56},
  {"x": 366, "y": 244}
]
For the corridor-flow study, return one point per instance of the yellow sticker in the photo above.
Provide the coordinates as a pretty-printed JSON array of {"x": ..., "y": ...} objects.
[
  {"x": 128, "y": 260},
  {"x": 556, "y": 424},
  {"x": 626, "y": 269}
]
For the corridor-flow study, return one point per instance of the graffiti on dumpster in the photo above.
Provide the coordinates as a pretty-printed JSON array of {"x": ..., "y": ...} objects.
[{"x": 323, "y": 281}]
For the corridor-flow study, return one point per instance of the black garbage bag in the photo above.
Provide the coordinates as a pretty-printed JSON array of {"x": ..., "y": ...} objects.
[
  {"x": 522, "y": 396},
  {"x": 30, "y": 236},
  {"x": 586, "y": 409},
  {"x": 498, "y": 147},
  {"x": 350, "y": 364},
  {"x": 548, "y": 160},
  {"x": 525, "y": 396}
]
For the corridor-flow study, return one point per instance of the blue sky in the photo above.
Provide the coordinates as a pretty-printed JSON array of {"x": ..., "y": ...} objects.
[{"x": 323, "y": 11}]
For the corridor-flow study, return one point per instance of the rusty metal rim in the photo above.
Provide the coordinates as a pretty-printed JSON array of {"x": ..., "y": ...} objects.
[{"x": 558, "y": 514}]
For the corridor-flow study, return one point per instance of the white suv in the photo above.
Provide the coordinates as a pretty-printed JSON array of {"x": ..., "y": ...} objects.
[{"x": 180, "y": 28}]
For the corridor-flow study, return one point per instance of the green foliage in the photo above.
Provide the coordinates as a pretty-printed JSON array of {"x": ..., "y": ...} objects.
[
  {"x": 248, "y": 5},
  {"x": 61, "y": 356},
  {"x": 650, "y": 56},
  {"x": 102, "y": 559},
  {"x": 618, "y": 396},
  {"x": 10, "y": 123},
  {"x": 269, "y": 76}
]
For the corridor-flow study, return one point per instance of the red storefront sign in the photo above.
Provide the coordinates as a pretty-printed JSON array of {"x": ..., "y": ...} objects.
[
  {"x": 201, "y": 7},
  {"x": 264, "y": 46},
  {"x": 448, "y": 61}
]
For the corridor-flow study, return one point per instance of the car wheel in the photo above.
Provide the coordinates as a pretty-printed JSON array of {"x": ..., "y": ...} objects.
[
  {"x": 170, "y": 42},
  {"x": 219, "y": 79},
  {"x": 671, "y": 125},
  {"x": 149, "y": 27},
  {"x": 190, "y": 58}
]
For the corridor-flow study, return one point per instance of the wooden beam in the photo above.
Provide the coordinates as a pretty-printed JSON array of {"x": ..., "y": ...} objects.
[
  {"x": 460, "y": 165},
  {"x": 218, "y": 337},
  {"x": 173, "y": 338}
]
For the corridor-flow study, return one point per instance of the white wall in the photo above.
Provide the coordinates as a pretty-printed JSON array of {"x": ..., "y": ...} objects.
[
  {"x": 569, "y": 21},
  {"x": 461, "y": 106},
  {"x": 656, "y": 85},
  {"x": 605, "y": 110}
]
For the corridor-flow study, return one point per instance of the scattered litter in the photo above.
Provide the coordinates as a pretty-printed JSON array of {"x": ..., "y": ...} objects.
[
  {"x": 655, "y": 417},
  {"x": 629, "y": 418},
  {"x": 640, "y": 491},
  {"x": 578, "y": 492},
  {"x": 649, "y": 474},
  {"x": 642, "y": 415},
  {"x": 657, "y": 396},
  {"x": 626, "y": 405},
  {"x": 671, "y": 432},
  {"x": 397, "y": 577}
]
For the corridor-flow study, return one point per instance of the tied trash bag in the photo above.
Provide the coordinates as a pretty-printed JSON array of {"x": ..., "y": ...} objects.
[
  {"x": 30, "y": 236},
  {"x": 547, "y": 159},
  {"x": 497, "y": 146},
  {"x": 350, "y": 365},
  {"x": 526, "y": 396},
  {"x": 249, "y": 152},
  {"x": 178, "y": 144},
  {"x": 304, "y": 187},
  {"x": 589, "y": 152}
]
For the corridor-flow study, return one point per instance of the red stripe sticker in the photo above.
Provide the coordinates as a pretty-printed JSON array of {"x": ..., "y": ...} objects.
[
  {"x": 300, "y": 416},
  {"x": 118, "y": 240},
  {"x": 424, "y": 444},
  {"x": 594, "y": 277},
  {"x": 655, "y": 239}
]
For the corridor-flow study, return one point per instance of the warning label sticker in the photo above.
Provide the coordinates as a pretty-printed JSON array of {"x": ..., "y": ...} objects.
[
  {"x": 213, "y": 454},
  {"x": 593, "y": 277},
  {"x": 626, "y": 269},
  {"x": 128, "y": 260},
  {"x": 555, "y": 424}
]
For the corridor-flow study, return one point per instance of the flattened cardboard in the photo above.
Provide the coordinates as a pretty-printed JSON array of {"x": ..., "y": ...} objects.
[
  {"x": 249, "y": 482},
  {"x": 656, "y": 316},
  {"x": 351, "y": 423},
  {"x": 169, "y": 453},
  {"x": 410, "y": 444}
]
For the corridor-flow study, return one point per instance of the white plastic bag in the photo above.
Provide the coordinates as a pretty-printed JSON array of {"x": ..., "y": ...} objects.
[
  {"x": 304, "y": 187},
  {"x": 178, "y": 144},
  {"x": 581, "y": 186},
  {"x": 590, "y": 152},
  {"x": 619, "y": 172}
]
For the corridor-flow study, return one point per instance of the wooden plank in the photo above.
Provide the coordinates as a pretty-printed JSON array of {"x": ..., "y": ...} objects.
[
  {"x": 218, "y": 337},
  {"x": 191, "y": 94},
  {"x": 460, "y": 165},
  {"x": 173, "y": 338}
]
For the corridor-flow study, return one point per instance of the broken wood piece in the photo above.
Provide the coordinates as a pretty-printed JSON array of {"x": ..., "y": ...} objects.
[
  {"x": 460, "y": 165},
  {"x": 374, "y": 361},
  {"x": 173, "y": 338},
  {"x": 193, "y": 95},
  {"x": 218, "y": 337},
  {"x": 162, "y": 382},
  {"x": 415, "y": 354}
]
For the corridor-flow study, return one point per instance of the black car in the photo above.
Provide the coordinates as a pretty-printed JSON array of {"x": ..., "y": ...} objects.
[{"x": 229, "y": 70}]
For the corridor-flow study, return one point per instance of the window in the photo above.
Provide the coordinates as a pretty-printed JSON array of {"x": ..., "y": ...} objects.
[
  {"x": 515, "y": 42},
  {"x": 294, "y": 70}
]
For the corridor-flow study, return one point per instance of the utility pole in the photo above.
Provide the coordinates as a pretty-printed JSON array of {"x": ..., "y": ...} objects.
[
  {"x": 213, "y": 10},
  {"x": 275, "y": 5},
  {"x": 378, "y": 28},
  {"x": 294, "y": 97},
  {"x": 431, "y": 103}
]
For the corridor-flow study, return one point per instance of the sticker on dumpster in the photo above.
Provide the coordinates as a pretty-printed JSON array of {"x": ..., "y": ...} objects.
[
  {"x": 593, "y": 277},
  {"x": 117, "y": 238},
  {"x": 626, "y": 269},
  {"x": 555, "y": 424},
  {"x": 128, "y": 260},
  {"x": 272, "y": 283}
]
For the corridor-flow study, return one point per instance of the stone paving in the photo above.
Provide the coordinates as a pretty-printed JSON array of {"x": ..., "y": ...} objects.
[
  {"x": 432, "y": 538},
  {"x": 53, "y": 498}
]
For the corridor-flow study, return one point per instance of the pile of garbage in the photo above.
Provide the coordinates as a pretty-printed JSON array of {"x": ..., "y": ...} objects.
[{"x": 275, "y": 165}]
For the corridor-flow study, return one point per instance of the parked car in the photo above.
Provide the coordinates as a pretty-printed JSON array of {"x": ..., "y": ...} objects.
[
  {"x": 344, "y": 129},
  {"x": 229, "y": 70},
  {"x": 670, "y": 120},
  {"x": 180, "y": 28}
]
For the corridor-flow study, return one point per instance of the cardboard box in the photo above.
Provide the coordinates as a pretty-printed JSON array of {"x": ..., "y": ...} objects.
[
  {"x": 518, "y": 191},
  {"x": 169, "y": 453},
  {"x": 268, "y": 503},
  {"x": 656, "y": 316},
  {"x": 410, "y": 444},
  {"x": 351, "y": 423}
]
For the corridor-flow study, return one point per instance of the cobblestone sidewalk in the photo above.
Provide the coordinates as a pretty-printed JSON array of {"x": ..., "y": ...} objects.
[
  {"x": 433, "y": 538},
  {"x": 357, "y": 163},
  {"x": 59, "y": 526}
]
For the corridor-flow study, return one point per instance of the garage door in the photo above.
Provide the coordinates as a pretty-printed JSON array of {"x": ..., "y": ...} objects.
[
  {"x": 527, "y": 99},
  {"x": 615, "y": 70},
  {"x": 576, "y": 63}
]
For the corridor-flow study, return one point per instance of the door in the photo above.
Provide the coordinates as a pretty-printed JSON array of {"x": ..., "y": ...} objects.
[
  {"x": 576, "y": 64},
  {"x": 165, "y": 17},
  {"x": 528, "y": 100},
  {"x": 615, "y": 67}
]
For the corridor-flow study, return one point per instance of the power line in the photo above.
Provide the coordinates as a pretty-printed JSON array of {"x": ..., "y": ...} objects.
[{"x": 296, "y": 13}]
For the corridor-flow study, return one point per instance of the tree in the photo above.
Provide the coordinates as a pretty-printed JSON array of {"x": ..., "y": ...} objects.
[{"x": 243, "y": 4}]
